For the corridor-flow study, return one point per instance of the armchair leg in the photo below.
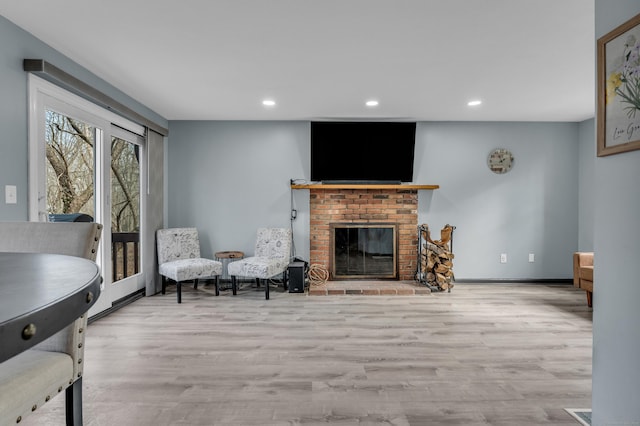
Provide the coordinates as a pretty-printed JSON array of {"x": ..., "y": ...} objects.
[
  {"x": 266, "y": 289},
  {"x": 179, "y": 288},
  {"x": 285, "y": 280},
  {"x": 195, "y": 284},
  {"x": 215, "y": 282},
  {"x": 234, "y": 287},
  {"x": 164, "y": 284},
  {"x": 589, "y": 299},
  {"x": 73, "y": 403}
]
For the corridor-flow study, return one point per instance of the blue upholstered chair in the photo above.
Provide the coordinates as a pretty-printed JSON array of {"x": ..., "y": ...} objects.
[
  {"x": 271, "y": 257},
  {"x": 179, "y": 259}
]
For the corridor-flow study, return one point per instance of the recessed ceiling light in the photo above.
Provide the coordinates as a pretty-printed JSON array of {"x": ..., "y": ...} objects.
[
  {"x": 474, "y": 102},
  {"x": 269, "y": 102},
  {"x": 371, "y": 103}
]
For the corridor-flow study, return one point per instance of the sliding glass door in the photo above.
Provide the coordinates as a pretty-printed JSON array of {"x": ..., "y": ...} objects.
[
  {"x": 125, "y": 170},
  {"x": 86, "y": 164}
]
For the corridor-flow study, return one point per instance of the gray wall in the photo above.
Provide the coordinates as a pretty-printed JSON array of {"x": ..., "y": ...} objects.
[
  {"x": 228, "y": 178},
  {"x": 531, "y": 209},
  {"x": 586, "y": 184},
  {"x": 17, "y": 45},
  {"x": 616, "y": 315}
]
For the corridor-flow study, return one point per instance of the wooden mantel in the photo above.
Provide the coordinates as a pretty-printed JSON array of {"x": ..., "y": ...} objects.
[{"x": 363, "y": 186}]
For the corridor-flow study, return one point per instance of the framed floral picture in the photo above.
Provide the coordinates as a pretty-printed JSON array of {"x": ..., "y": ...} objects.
[{"x": 618, "y": 115}]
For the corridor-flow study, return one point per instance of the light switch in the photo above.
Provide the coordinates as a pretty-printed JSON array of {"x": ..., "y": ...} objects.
[{"x": 10, "y": 194}]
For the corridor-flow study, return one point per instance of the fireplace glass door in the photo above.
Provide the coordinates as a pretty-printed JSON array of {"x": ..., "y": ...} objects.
[{"x": 363, "y": 251}]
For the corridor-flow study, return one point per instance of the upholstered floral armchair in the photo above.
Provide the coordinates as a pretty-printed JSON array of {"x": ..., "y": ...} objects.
[
  {"x": 271, "y": 257},
  {"x": 179, "y": 259}
]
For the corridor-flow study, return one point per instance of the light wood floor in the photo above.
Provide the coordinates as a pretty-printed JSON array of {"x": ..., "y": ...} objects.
[{"x": 497, "y": 354}]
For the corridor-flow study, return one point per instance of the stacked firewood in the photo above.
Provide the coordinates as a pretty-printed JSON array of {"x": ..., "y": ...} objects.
[{"x": 437, "y": 259}]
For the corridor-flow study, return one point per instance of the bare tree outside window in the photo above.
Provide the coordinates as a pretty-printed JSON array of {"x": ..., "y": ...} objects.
[
  {"x": 125, "y": 207},
  {"x": 71, "y": 182},
  {"x": 70, "y": 165}
]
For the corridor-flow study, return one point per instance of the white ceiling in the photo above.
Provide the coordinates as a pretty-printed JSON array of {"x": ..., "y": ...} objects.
[{"x": 528, "y": 60}]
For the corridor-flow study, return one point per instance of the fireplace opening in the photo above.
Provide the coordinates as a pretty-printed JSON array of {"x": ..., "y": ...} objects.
[{"x": 363, "y": 251}]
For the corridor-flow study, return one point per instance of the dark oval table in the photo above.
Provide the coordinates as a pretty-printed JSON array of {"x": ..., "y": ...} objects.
[{"x": 40, "y": 294}]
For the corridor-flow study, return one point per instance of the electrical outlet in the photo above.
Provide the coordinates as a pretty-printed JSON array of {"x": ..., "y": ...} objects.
[
  {"x": 503, "y": 258},
  {"x": 532, "y": 257}
]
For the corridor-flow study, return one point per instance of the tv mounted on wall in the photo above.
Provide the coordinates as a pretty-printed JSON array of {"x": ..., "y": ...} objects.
[{"x": 362, "y": 151}]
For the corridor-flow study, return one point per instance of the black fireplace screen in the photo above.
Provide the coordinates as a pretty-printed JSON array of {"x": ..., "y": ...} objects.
[{"x": 363, "y": 251}]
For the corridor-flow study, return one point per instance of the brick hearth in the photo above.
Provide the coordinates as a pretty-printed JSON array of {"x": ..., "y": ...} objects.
[
  {"x": 388, "y": 206},
  {"x": 369, "y": 288}
]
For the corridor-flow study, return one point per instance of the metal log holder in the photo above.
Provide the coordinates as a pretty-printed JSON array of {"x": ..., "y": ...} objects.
[{"x": 421, "y": 275}]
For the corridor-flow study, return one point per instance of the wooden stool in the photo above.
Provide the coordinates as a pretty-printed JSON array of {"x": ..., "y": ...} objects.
[{"x": 226, "y": 257}]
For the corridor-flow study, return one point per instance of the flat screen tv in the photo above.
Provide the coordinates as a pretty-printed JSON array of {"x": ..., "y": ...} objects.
[{"x": 362, "y": 151}]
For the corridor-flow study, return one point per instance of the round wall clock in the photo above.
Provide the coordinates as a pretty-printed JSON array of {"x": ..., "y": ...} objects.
[{"x": 500, "y": 160}]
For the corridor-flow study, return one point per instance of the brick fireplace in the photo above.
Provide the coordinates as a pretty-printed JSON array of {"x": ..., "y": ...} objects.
[{"x": 369, "y": 205}]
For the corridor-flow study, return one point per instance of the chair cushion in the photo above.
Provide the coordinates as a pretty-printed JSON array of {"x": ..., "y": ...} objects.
[
  {"x": 190, "y": 269},
  {"x": 28, "y": 379},
  {"x": 258, "y": 266}
]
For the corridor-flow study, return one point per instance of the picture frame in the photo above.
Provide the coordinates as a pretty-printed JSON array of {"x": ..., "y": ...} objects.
[{"x": 618, "y": 76}]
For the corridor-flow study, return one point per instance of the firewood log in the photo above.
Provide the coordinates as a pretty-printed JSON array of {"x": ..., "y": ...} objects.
[{"x": 441, "y": 268}]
